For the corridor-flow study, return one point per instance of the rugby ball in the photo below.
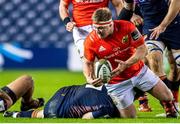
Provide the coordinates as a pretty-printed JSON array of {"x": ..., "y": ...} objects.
[{"x": 103, "y": 70}]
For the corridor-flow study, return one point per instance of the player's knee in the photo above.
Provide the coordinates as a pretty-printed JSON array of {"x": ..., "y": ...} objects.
[
  {"x": 129, "y": 112},
  {"x": 28, "y": 80}
]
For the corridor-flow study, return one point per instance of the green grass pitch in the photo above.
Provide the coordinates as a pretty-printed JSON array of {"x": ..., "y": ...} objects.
[{"x": 47, "y": 81}]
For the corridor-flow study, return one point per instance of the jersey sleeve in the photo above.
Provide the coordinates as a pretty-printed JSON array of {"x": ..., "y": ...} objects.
[
  {"x": 88, "y": 50},
  {"x": 99, "y": 113},
  {"x": 136, "y": 37}
]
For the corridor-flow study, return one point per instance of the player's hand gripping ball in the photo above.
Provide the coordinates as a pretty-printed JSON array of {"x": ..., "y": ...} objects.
[{"x": 103, "y": 70}]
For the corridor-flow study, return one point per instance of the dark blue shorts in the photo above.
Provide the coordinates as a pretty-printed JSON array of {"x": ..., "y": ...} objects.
[
  {"x": 171, "y": 37},
  {"x": 51, "y": 109}
]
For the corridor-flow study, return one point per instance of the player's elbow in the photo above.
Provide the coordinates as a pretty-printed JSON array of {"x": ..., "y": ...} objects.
[
  {"x": 88, "y": 116},
  {"x": 142, "y": 51}
]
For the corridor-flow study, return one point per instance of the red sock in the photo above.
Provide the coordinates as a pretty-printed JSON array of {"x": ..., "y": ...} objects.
[
  {"x": 176, "y": 95},
  {"x": 168, "y": 107},
  {"x": 175, "y": 90}
]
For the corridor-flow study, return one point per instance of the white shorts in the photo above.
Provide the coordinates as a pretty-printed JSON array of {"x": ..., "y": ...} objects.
[
  {"x": 79, "y": 35},
  {"x": 123, "y": 93}
]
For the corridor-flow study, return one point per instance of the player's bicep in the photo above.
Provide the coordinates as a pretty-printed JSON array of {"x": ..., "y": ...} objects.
[
  {"x": 136, "y": 38},
  {"x": 88, "y": 51}
]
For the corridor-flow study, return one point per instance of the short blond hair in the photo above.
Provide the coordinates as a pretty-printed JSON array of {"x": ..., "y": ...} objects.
[{"x": 102, "y": 14}]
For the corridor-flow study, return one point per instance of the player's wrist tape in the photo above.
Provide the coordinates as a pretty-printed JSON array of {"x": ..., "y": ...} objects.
[
  {"x": 66, "y": 20},
  {"x": 128, "y": 1},
  {"x": 125, "y": 14}
]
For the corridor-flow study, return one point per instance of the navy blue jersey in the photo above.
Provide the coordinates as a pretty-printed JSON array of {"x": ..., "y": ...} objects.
[
  {"x": 153, "y": 12},
  {"x": 74, "y": 101}
]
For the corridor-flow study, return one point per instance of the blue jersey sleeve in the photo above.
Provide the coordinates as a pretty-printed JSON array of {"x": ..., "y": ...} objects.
[{"x": 99, "y": 113}]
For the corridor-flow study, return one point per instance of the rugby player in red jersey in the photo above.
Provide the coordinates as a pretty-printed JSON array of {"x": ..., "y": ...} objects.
[{"x": 122, "y": 44}]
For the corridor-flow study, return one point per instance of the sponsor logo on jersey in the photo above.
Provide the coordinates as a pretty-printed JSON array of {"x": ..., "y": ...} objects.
[
  {"x": 101, "y": 48},
  {"x": 125, "y": 39},
  {"x": 135, "y": 35}
]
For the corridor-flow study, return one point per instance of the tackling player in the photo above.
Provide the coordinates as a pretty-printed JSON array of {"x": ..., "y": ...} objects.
[
  {"x": 122, "y": 44},
  {"x": 77, "y": 101},
  {"x": 23, "y": 88}
]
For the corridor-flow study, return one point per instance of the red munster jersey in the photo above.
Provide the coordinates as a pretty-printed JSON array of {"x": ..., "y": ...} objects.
[
  {"x": 120, "y": 45},
  {"x": 83, "y": 10}
]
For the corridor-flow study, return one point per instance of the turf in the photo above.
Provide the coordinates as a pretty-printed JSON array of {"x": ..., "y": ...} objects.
[{"x": 47, "y": 81}]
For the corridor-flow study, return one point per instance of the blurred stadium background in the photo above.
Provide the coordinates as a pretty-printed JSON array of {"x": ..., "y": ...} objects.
[{"x": 33, "y": 36}]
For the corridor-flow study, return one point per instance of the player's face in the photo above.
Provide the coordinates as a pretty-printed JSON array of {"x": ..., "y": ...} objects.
[{"x": 104, "y": 31}]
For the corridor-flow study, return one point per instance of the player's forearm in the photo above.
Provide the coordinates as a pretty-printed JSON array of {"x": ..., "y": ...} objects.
[
  {"x": 140, "y": 53},
  {"x": 129, "y": 5},
  {"x": 118, "y": 5},
  {"x": 88, "y": 70},
  {"x": 126, "y": 10},
  {"x": 173, "y": 11},
  {"x": 63, "y": 10}
]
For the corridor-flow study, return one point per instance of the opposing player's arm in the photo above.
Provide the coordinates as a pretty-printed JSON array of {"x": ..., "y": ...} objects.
[
  {"x": 126, "y": 10},
  {"x": 118, "y": 5},
  {"x": 173, "y": 11}
]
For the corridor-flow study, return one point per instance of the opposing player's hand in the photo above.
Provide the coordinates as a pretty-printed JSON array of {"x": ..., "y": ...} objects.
[
  {"x": 70, "y": 26},
  {"x": 157, "y": 31},
  {"x": 95, "y": 82},
  {"x": 120, "y": 68},
  {"x": 137, "y": 20}
]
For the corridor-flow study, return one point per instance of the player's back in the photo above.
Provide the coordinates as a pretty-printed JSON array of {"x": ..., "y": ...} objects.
[
  {"x": 75, "y": 101},
  {"x": 83, "y": 10}
]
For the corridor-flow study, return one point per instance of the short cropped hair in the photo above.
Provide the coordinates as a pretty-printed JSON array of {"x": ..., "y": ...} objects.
[{"x": 102, "y": 14}]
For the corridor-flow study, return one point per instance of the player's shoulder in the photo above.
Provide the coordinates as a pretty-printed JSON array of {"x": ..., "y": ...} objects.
[
  {"x": 123, "y": 23},
  {"x": 92, "y": 37}
]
